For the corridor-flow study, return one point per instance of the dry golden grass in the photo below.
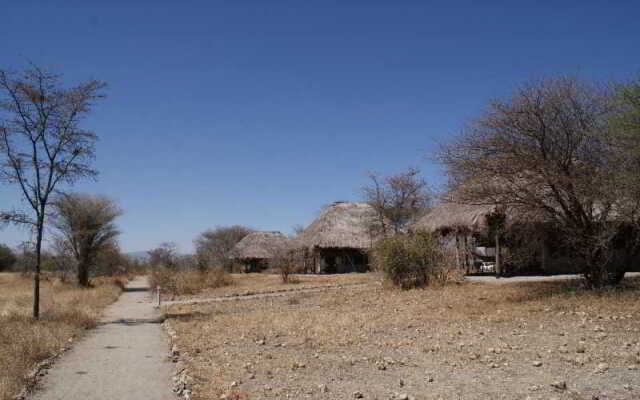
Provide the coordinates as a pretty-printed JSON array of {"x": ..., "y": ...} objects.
[
  {"x": 461, "y": 341},
  {"x": 66, "y": 311},
  {"x": 186, "y": 284}
]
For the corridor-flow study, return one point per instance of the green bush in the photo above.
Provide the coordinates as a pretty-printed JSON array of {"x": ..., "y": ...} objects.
[{"x": 414, "y": 260}]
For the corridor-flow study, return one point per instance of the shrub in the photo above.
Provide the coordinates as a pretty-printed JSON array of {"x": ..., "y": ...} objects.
[
  {"x": 286, "y": 262},
  {"x": 414, "y": 260}
]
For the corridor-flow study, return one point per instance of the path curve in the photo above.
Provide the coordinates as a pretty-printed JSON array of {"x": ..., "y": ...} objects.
[{"x": 126, "y": 357}]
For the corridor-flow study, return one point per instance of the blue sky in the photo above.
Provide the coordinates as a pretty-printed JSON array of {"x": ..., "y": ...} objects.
[{"x": 258, "y": 113}]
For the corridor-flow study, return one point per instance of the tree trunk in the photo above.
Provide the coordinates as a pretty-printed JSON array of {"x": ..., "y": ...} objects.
[
  {"x": 83, "y": 273},
  {"x": 544, "y": 256},
  {"x": 36, "y": 276},
  {"x": 498, "y": 266}
]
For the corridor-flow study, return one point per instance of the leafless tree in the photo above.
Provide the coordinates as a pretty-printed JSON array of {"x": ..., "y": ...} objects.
[
  {"x": 62, "y": 257},
  {"x": 297, "y": 229},
  {"x": 43, "y": 143},
  {"x": 86, "y": 225},
  {"x": 547, "y": 153},
  {"x": 213, "y": 246},
  {"x": 165, "y": 255},
  {"x": 397, "y": 199}
]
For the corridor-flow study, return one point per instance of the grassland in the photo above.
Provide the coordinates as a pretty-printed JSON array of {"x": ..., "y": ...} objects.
[
  {"x": 193, "y": 284},
  {"x": 66, "y": 312},
  {"x": 468, "y": 341}
]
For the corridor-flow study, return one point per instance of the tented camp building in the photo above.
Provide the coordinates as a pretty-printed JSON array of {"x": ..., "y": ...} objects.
[
  {"x": 476, "y": 231},
  {"x": 467, "y": 229},
  {"x": 339, "y": 239},
  {"x": 256, "y": 249}
]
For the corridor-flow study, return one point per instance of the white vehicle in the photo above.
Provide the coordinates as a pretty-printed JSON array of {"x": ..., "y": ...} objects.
[{"x": 487, "y": 267}]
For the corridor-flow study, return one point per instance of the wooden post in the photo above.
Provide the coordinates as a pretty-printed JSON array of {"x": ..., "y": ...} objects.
[
  {"x": 498, "y": 266},
  {"x": 158, "y": 292},
  {"x": 457, "y": 250},
  {"x": 544, "y": 256},
  {"x": 466, "y": 253}
]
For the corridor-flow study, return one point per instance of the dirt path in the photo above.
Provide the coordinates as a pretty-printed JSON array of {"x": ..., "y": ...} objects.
[
  {"x": 492, "y": 280},
  {"x": 124, "y": 358}
]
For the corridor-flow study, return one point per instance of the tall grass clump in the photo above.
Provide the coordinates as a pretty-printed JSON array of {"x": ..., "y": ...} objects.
[{"x": 414, "y": 260}]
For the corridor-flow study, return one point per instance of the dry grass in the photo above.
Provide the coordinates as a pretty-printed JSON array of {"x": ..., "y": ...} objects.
[
  {"x": 243, "y": 284},
  {"x": 66, "y": 311},
  {"x": 186, "y": 283},
  {"x": 468, "y": 341}
]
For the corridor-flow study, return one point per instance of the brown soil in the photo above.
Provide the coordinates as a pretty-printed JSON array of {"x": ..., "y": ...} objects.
[{"x": 469, "y": 341}]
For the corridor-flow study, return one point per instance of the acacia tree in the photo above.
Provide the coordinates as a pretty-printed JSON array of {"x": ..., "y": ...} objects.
[
  {"x": 397, "y": 200},
  {"x": 43, "y": 143},
  {"x": 547, "y": 152},
  {"x": 86, "y": 224},
  {"x": 213, "y": 245},
  {"x": 165, "y": 255}
]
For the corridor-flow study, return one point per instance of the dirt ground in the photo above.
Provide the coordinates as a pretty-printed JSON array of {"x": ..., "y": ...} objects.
[{"x": 538, "y": 340}]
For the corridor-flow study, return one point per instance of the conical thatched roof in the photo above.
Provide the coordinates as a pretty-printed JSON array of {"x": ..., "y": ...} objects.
[
  {"x": 448, "y": 215},
  {"x": 263, "y": 245},
  {"x": 341, "y": 225}
]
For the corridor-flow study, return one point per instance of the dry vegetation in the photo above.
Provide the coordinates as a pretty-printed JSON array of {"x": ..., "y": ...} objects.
[
  {"x": 66, "y": 311},
  {"x": 175, "y": 282},
  {"x": 213, "y": 283},
  {"x": 467, "y": 341}
]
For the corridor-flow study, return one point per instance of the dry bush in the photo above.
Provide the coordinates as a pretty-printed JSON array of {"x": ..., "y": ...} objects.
[
  {"x": 414, "y": 260},
  {"x": 287, "y": 263},
  {"x": 66, "y": 312},
  {"x": 188, "y": 282}
]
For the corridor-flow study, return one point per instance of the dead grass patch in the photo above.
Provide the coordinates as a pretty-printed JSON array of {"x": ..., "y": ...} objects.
[
  {"x": 187, "y": 283},
  {"x": 252, "y": 283},
  {"x": 66, "y": 311},
  {"x": 470, "y": 341}
]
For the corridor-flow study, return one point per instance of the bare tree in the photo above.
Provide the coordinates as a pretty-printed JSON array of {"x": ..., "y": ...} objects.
[
  {"x": 62, "y": 257},
  {"x": 297, "y": 229},
  {"x": 165, "y": 255},
  {"x": 213, "y": 246},
  {"x": 86, "y": 225},
  {"x": 42, "y": 143},
  {"x": 547, "y": 153},
  {"x": 397, "y": 199}
]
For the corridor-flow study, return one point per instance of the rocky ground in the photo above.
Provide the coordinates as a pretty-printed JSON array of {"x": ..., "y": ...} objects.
[{"x": 539, "y": 340}]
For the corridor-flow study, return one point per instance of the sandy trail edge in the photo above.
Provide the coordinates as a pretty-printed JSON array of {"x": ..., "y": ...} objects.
[{"x": 124, "y": 358}]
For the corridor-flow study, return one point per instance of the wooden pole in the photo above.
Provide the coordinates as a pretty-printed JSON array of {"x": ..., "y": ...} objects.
[{"x": 498, "y": 266}]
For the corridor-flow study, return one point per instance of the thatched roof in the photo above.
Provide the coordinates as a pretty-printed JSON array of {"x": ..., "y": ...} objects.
[
  {"x": 447, "y": 215},
  {"x": 341, "y": 225},
  {"x": 262, "y": 245}
]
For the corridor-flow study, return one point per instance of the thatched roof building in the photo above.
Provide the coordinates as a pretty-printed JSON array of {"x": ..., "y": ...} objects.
[
  {"x": 340, "y": 225},
  {"x": 454, "y": 216},
  {"x": 260, "y": 245},
  {"x": 257, "y": 248},
  {"x": 339, "y": 238}
]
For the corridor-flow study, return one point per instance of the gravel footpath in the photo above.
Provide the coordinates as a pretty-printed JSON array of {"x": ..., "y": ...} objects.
[{"x": 124, "y": 358}]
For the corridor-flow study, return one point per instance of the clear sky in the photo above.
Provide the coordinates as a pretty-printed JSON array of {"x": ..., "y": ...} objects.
[{"x": 260, "y": 112}]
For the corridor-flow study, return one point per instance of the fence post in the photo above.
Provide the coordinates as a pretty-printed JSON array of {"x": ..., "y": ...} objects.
[{"x": 158, "y": 289}]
